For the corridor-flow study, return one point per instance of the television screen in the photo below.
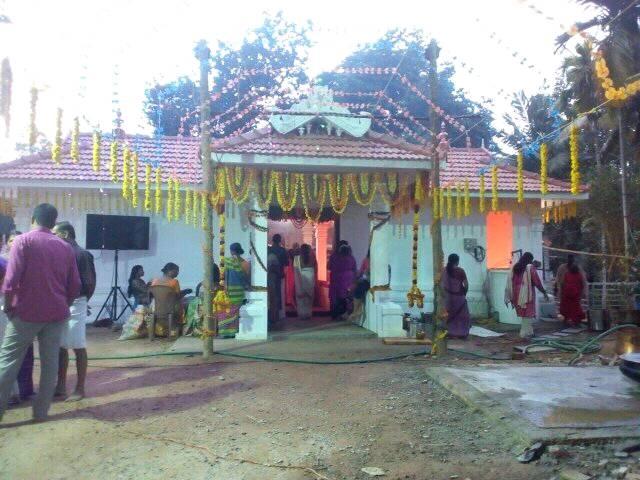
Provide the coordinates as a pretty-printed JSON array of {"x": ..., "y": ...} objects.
[{"x": 117, "y": 232}]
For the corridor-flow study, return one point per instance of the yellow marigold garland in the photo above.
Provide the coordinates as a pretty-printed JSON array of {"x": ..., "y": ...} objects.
[
  {"x": 458, "y": 202},
  {"x": 362, "y": 196},
  {"x": 113, "y": 161},
  {"x": 520, "y": 176},
  {"x": 221, "y": 302},
  {"x": 177, "y": 206},
  {"x": 195, "y": 208},
  {"x": 338, "y": 200},
  {"x": 449, "y": 202},
  {"x": 239, "y": 195},
  {"x": 322, "y": 196},
  {"x": 75, "y": 141},
  {"x": 170, "y": 201},
  {"x": 147, "y": 187},
  {"x": 494, "y": 188},
  {"x": 418, "y": 194},
  {"x": 467, "y": 199},
  {"x": 158, "y": 192},
  {"x": 204, "y": 219},
  {"x": 415, "y": 297},
  {"x": 435, "y": 208},
  {"x": 187, "y": 206},
  {"x": 612, "y": 93},
  {"x": 544, "y": 181},
  {"x": 442, "y": 203},
  {"x": 575, "y": 166},
  {"x": 481, "y": 192},
  {"x": 96, "y": 151},
  {"x": 134, "y": 180},
  {"x": 126, "y": 190},
  {"x": 56, "y": 148}
]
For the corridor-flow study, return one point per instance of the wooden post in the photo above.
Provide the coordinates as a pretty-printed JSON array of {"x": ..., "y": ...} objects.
[
  {"x": 203, "y": 54},
  {"x": 439, "y": 344}
]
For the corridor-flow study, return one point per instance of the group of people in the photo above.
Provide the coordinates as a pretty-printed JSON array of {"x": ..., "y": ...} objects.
[
  {"x": 47, "y": 281},
  {"x": 520, "y": 293}
]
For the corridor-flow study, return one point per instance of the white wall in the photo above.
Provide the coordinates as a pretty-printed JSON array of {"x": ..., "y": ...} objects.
[
  {"x": 168, "y": 242},
  {"x": 354, "y": 228}
]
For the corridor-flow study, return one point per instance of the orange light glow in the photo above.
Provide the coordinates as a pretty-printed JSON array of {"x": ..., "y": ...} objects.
[{"x": 499, "y": 239}]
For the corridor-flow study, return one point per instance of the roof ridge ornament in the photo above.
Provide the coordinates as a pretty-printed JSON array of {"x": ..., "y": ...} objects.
[{"x": 320, "y": 105}]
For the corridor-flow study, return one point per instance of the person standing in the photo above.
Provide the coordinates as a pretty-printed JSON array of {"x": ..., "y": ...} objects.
[
  {"x": 343, "y": 276},
  {"x": 455, "y": 287},
  {"x": 41, "y": 282},
  {"x": 332, "y": 266},
  {"x": 571, "y": 287},
  {"x": 305, "y": 267},
  {"x": 283, "y": 258},
  {"x": 520, "y": 292},
  {"x": 237, "y": 277},
  {"x": 75, "y": 333}
]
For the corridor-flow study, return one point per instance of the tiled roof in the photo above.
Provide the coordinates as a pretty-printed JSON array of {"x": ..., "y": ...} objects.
[
  {"x": 179, "y": 156},
  {"x": 466, "y": 163},
  {"x": 373, "y": 146}
]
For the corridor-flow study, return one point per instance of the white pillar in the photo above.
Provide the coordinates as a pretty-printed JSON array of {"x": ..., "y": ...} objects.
[
  {"x": 322, "y": 241},
  {"x": 254, "y": 315},
  {"x": 382, "y": 316}
]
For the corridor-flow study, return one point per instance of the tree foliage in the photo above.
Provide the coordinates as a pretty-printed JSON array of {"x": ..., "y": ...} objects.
[{"x": 405, "y": 49}]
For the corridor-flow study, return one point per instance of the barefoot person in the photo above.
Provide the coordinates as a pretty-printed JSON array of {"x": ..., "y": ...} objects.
[
  {"x": 75, "y": 334},
  {"x": 41, "y": 282}
]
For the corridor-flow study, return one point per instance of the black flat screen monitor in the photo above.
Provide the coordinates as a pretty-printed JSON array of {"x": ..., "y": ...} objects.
[{"x": 117, "y": 232}]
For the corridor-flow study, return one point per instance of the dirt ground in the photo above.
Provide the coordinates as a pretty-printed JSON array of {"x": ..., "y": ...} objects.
[{"x": 177, "y": 417}]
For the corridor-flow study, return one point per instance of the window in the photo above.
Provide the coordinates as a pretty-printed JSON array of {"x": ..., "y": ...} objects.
[{"x": 499, "y": 239}]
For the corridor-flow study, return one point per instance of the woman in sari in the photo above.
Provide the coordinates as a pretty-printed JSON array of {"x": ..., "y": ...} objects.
[
  {"x": 169, "y": 279},
  {"x": 454, "y": 286},
  {"x": 138, "y": 288},
  {"x": 193, "y": 317},
  {"x": 305, "y": 267},
  {"x": 520, "y": 292},
  {"x": 237, "y": 280},
  {"x": 343, "y": 275},
  {"x": 571, "y": 287}
]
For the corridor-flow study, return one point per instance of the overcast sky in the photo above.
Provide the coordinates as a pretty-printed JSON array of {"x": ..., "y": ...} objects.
[{"x": 71, "y": 48}]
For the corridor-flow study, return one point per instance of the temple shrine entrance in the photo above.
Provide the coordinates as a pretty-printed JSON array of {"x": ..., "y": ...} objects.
[{"x": 311, "y": 308}]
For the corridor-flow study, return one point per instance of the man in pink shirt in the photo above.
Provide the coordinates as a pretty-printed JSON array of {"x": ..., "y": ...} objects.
[{"x": 40, "y": 284}]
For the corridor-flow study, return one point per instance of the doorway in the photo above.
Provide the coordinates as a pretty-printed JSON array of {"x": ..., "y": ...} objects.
[{"x": 320, "y": 237}]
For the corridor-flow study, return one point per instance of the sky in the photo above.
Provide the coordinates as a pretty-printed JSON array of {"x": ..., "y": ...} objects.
[{"x": 89, "y": 57}]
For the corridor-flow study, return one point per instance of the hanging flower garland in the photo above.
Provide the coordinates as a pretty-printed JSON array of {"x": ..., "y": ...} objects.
[
  {"x": 321, "y": 199},
  {"x": 246, "y": 180},
  {"x": 134, "y": 180},
  {"x": 75, "y": 141},
  {"x": 147, "y": 187},
  {"x": 126, "y": 189},
  {"x": 449, "y": 202},
  {"x": 610, "y": 92},
  {"x": 56, "y": 148},
  {"x": 442, "y": 203},
  {"x": 221, "y": 302},
  {"x": 177, "y": 206},
  {"x": 362, "y": 196},
  {"x": 418, "y": 193},
  {"x": 435, "y": 206},
  {"x": 520, "y": 176},
  {"x": 187, "y": 206},
  {"x": 339, "y": 198},
  {"x": 158, "y": 192},
  {"x": 481, "y": 192},
  {"x": 494, "y": 188},
  {"x": 195, "y": 215},
  {"x": 467, "y": 199},
  {"x": 95, "y": 158},
  {"x": 204, "y": 218},
  {"x": 170, "y": 201},
  {"x": 415, "y": 297},
  {"x": 544, "y": 181},
  {"x": 113, "y": 163},
  {"x": 575, "y": 166},
  {"x": 458, "y": 202}
]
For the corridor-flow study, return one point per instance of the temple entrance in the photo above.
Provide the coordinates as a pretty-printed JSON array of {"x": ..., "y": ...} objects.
[{"x": 304, "y": 247}]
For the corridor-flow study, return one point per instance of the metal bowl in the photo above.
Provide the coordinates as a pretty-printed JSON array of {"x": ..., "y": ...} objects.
[{"x": 630, "y": 366}]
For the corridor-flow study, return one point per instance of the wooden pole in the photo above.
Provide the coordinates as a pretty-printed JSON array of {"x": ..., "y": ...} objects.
[
  {"x": 440, "y": 344},
  {"x": 623, "y": 186},
  {"x": 203, "y": 54}
]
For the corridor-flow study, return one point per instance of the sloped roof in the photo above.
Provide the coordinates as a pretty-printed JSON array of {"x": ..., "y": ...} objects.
[
  {"x": 373, "y": 146},
  {"x": 180, "y": 157},
  {"x": 466, "y": 163}
]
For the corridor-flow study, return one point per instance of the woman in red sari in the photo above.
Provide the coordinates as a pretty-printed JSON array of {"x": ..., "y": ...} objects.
[{"x": 572, "y": 286}]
